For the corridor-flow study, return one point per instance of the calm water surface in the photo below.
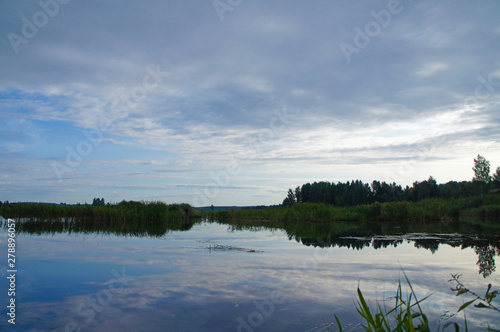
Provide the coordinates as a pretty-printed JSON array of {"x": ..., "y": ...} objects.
[{"x": 216, "y": 277}]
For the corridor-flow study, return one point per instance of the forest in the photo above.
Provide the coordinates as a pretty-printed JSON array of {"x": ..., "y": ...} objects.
[
  {"x": 355, "y": 193},
  {"x": 474, "y": 202}
]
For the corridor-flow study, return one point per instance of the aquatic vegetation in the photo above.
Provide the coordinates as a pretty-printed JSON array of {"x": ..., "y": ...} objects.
[
  {"x": 123, "y": 211},
  {"x": 406, "y": 315},
  {"x": 124, "y": 218},
  {"x": 486, "y": 215},
  {"x": 432, "y": 209},
  {"x": 485, "y": 301}
]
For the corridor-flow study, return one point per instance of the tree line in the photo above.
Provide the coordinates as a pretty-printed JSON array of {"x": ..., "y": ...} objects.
[{"x": 353, "y": 193}]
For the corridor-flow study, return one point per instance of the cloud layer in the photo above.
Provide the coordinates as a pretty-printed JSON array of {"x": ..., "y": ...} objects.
[{"x": 187, "y": 102}]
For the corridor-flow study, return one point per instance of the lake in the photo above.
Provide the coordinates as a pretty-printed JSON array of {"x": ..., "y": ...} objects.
[{"x": 210, "y": 276}]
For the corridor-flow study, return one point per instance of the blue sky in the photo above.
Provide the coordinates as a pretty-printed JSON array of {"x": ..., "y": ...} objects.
[{"x": 233, "y": 102}]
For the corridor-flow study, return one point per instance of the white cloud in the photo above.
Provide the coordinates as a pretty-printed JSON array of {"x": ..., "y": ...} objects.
[{"x": 430, "y": 69}]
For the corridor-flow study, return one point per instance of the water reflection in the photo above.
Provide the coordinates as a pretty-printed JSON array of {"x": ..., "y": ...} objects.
[
  {"x": 351, "y": 235},
  {"x": 360, "y": 235},
  {"x": 216, "y": 276},
  {"x": 486, "y": 259},
  {"x": 128, "y": 228}
]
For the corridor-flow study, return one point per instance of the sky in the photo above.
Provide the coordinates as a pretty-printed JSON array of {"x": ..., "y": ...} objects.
[{"x": 232, "y": 102}]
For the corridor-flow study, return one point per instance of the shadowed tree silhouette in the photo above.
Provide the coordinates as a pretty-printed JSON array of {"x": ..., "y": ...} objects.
[
  {"x": 486, "y": 260},
  {"x": 290, "y": 198},
  {"x": 496, "y": 178}
]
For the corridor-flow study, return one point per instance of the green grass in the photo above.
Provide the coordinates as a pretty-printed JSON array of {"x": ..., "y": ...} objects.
[
  {"x": 125, "y": 218},
  {"x": 406, "y": 315},
  {"x": 123, "y": 211},
  {"x": 487, "y": 215},
  {"x": 435, "y": 209},
  {"x": 314, "y": 212}
]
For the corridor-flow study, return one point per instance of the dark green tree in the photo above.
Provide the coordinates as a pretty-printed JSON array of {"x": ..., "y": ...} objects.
[
  {"x": 98, "y": 202},
  {"x": 425, "y": 189},
  {"x": 306, "y": 192},
  {"x": 496, "y": 178},
  {"x": 290, "y": 198},
  {"x": 481, "y": 169},
  {"x": 298, "y": 194},
  {"x": 481, "y": 172}
]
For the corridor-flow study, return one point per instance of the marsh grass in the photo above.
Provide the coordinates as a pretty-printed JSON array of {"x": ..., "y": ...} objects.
[
  {"x": 487, "y": 215},
  {"x": 432, "y": 209},
  {"x": 121, "y": 212},
  {"x": 406, "y": 315},
  {"x": 124, "y": 218}
]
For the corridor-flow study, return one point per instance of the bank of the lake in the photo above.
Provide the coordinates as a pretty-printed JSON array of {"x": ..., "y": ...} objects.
[
  {"x": 474, "y": 209},
  {"x": 125, "y": 211}
]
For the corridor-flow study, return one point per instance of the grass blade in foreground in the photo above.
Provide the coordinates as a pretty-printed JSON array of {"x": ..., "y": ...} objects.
[{"x": 407, "y": 314}]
